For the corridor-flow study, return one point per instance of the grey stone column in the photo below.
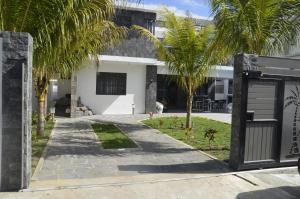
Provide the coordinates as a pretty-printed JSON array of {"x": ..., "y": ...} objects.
[
  {"x": 151, "y": 89},
  {"x": 242, "y": 63},
  {"x": 15, "y": 115}
]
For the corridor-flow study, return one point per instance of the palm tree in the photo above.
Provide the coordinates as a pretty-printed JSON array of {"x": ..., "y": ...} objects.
[
  {"x": 262, "y": 27},
  {"x": 294, "y": 99},
  {"x": 185, "y": 51},
  {"x": 65, "y": 32}
]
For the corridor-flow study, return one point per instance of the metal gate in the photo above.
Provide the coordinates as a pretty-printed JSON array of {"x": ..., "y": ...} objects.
[
  {"x": 261, "y": 132},
  {"x": 265, "y": 117}
]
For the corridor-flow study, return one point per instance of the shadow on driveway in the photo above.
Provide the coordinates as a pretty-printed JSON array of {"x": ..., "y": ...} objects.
[{"x": 285, "y": 192}]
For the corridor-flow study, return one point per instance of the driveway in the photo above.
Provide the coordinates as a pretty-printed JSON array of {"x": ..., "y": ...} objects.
[
  {"x": 76, "y": 167},
  {"x": 74, "y": 152}
]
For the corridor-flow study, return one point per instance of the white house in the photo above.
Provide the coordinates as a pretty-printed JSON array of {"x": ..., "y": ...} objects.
[{"x": 129, "y": 77}]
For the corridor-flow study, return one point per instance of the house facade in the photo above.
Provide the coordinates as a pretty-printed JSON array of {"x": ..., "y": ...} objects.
[{"x": 130, "y": 79}]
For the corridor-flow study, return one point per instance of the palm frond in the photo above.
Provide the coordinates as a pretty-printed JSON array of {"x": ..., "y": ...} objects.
[
  {"x": 185, "y": 50},
  {"x": 288, "y": 104},
  {"x": 291, "y": 98},
  {"x": 297, "y": 90},
  {"x": 294, "y": 93},
  {"x": 262, "y": 27}
]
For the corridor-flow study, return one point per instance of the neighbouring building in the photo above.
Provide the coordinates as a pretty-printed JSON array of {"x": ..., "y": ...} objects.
[{"x": 130, "y": 77}]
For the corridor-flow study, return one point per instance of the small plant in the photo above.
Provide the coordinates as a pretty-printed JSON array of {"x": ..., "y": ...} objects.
[
  {"x": 48, "y": 117},
  {"x": 34, "y": 137},
  {"x": 34, "y": 117},
  {"x": 189, "y": 133},
  {"x": 161, "y": 123},
  {"x": 151, "y": 115},
  {"x": 175, "y": 122},
  {"x": 210, "y": 135}
]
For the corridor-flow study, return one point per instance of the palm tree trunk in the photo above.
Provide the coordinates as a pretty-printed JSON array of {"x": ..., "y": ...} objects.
[
  {"x": 46, "y": 104},
  {"x": 41, "y": 88},
  {"x": 189, "y": 111},
  {"x": 41, "y": 115}
]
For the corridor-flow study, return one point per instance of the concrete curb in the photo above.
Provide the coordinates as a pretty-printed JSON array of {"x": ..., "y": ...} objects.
[{"x": 42, "y": 158}]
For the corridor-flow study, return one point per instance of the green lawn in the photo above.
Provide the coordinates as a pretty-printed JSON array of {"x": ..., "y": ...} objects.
[
  {"x": 39, "y": 143},
  {"x": 173, "y": 126},
  {"x": 111, "y": 137}
]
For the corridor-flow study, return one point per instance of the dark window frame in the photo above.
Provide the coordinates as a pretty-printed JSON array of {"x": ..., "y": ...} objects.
[
  {"x": 108, "y": 83},
  {"x": 230, "y": 86}
]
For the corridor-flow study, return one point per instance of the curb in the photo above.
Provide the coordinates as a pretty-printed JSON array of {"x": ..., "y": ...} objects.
[{"x": 42, "y": 158}]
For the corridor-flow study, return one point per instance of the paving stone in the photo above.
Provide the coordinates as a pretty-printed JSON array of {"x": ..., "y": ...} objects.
[{"x": 74, "y": 152}]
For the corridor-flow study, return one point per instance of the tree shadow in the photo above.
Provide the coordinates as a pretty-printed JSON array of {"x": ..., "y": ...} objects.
[
  {"x": 208, "y": 166},
  {"x": 283, "y": 192}
]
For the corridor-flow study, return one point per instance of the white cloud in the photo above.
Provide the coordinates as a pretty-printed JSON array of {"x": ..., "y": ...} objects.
[
  {"x": 197, "y": 3},
  {"x": 177, "y": 11}
]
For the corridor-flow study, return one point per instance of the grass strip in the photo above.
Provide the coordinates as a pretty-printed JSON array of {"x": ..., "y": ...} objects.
[
  {"x": 112, "y": 137},
  {"x": 174, "y": 127},
  {"x": 39, "y": 143}
]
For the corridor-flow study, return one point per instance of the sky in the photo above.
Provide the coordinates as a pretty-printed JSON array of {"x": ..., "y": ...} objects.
[{"x": 198, "y": 8}]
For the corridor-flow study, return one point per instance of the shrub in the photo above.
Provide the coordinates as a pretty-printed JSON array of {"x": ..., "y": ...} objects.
[
  {"x": 210, "y": 135},
  {"x": 174, "y": 124},
  {"x": 34, "y": 117},
  {"x": 161, "y": 123},
  {"x": 189, "y": 133}
]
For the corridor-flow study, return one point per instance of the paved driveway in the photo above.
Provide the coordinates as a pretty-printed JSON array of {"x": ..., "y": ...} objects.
[{"x": 74, "y": 152}]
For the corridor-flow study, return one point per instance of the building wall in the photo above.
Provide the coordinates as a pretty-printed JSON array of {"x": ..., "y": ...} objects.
[
  {"x": 134, "y": 45},
  {"x": 112, "y": 104}
]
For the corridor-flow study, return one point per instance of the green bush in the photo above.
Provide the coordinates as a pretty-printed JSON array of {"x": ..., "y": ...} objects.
[
  {"x": 210, "y": 135},
  {"x": 34, "y": 117}
]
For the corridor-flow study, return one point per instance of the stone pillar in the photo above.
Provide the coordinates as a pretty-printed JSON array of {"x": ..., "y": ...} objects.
[
  {"x": 15, "y": 110},
  {"x": 151, "y": 89},
  {"x": 73, "y": 95},
  {"x": 242, "y": 63}
]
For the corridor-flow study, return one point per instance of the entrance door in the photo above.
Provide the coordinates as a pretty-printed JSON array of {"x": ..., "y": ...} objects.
[{"x": 261, "y": 133}]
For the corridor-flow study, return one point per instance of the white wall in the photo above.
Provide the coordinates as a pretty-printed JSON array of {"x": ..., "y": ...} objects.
[{"x": 112, "y": 104}]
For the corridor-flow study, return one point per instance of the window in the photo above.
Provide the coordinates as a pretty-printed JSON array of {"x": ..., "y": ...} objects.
[
  {"x": 111, "y": 84},
  {"x": 219, "y": 86},
  {"x": 123, "y": 20},
  {"x": 150, "y": 25},
  {"x": 220, "y": 89}
]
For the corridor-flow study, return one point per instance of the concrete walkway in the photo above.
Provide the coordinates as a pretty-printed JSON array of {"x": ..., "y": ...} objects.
[
  {"x": 74, "y": 152},
  {"x": 247, "y": 185}
]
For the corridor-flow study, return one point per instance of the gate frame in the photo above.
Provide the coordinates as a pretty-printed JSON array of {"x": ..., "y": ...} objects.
[{"x": 247, "y": 67}]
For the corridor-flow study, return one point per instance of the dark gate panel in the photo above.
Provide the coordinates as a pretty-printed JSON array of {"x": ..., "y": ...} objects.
[
  {"x": 261, "y": 141},
  {"x": 261, "y": 125},
  {"x": 262, "y": 98},
  {"x": 266, "y": 112}
]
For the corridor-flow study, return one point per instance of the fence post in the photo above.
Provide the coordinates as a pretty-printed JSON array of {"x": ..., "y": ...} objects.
[
  {"x": 15, "y": 110},
  {"x": 242, "y": 62}
]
